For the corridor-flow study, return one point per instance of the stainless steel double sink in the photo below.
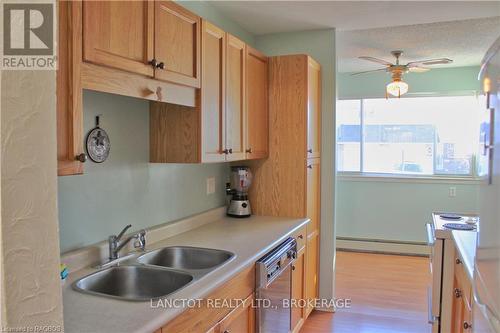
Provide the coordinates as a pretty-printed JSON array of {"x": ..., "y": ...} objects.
[{"x": 154, "y": 274}]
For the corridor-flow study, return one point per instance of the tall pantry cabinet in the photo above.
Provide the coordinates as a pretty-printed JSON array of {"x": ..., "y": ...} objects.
[{"x": 288, "y": 182}]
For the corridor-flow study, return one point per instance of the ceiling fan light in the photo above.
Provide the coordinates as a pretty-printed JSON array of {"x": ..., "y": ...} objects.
[{"x": 397, "y": 88}]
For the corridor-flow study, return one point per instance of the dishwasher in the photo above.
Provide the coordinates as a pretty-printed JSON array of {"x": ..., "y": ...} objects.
[{"x": 274, "y": 287}]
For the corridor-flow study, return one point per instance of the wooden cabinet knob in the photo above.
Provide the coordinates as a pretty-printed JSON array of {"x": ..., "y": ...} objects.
[
  {"x": 458, "y": 261},
  {"x": 458, "y": 293},
  {"x": 160, "y": 65},
  {"x": 81, "y": 157},
  {"x": 230, "y": 150},
  {"x": 249, "y": 150},
  {"x": 153, "y": 62},
  {"x": 225, "y": 151},
  {"x": 310, "y": 151},
  {"x": 467, "y": 325},
  {"x": 309, "y": 166}
]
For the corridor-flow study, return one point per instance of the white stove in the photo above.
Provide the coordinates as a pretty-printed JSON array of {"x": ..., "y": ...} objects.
[{"x": 443, "y": 232}]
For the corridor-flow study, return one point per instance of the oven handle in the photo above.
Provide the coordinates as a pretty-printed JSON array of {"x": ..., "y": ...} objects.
[
  {"x": 431, "y": 237},
  {"x": 430, "y": 317},
  {"x": 269, "y": 282}
]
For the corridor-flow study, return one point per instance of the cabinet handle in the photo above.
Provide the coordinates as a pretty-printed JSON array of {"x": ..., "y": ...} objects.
[
  {"x": 293, "y": 267},
  {"x": 310, "y": 151},
  {"x": 225, "y": 151},
  {"x": 458, "y": 293},
  {"x": 467, "y": 325},
  {"x": 301, "y": 237},
  {"x": 81, "y": 157},
  {"x": 153, "y": 62},
  {"x": 226, "y": 331},
  {"x": 249, "y": 150},
  {"x": 458, "y": 261},
  {"x": 230, "y": 150},
  {"x": 309, "y": 166},
  {"x": 161, "y": 65}
]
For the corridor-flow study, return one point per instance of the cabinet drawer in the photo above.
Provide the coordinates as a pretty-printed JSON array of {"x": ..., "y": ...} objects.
[{"x": 300, "y": 237}]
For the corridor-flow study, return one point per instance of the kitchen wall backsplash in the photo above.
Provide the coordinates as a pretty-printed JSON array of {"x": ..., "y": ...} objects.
[{"x": 126, "y": 188}]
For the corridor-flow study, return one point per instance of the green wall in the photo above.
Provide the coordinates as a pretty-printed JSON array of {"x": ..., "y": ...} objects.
[
  {"x": 441, "y": 81},
  {"x": 127, "y": 188},
  {"x": 396, "y": 211},
  {"x": 399, "y": 210},
  {"x": 320, "y": 44},
  {"x": 210, "y": 13}
]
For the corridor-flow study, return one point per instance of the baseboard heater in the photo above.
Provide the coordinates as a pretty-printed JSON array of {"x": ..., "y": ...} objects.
[{"x": 382, "y": 246}]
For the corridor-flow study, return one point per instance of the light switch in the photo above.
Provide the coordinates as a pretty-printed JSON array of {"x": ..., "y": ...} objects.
[
  {"x": 452, "y": 192},
  {"x": 210, "y": 185}
]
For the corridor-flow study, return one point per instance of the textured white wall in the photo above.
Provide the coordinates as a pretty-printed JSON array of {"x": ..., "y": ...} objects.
[{"x": 31, "y": 288}]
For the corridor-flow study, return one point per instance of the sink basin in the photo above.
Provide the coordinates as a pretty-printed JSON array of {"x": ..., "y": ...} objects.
[
  {"x": 186, "y": 257},
  {"x": 133, "y": 283}
]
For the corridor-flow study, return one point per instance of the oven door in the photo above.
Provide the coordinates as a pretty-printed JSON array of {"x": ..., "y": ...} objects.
[
  {"x": 272, "y": 315},
  {"x": 435, "y": 266}
]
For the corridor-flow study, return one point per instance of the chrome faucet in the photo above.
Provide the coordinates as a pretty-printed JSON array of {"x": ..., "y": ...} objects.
[{"x": 115, "y": 245}]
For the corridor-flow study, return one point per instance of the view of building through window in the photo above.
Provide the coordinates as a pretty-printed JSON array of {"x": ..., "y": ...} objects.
[{"x": 414, "y": 135}]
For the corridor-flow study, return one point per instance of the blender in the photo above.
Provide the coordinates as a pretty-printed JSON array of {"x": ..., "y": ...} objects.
[{"x": 239, "y": 205}]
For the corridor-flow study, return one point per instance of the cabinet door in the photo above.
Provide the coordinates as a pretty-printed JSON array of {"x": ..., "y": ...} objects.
[
  {"x": 311, "y": 275},
  {"x": 235, "y": 98},
  {"x": 69, "y": 90},
  {"x": 119, "y": 34},
  {"x": 298, "y": 291},
  {"x": 177, "y": 44},
  {"x": 313, "y": 194},
  {"x": 240, "y": 320},
  {"x": 257, "y": 144},
  {"x": 313, "y": 108},
  {"x": 212, "y": 93},
  {"x": 457, "y": 307}
]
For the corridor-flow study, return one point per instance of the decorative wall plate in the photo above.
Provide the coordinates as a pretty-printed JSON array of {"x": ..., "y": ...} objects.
[{"x": 98, "y": 144}]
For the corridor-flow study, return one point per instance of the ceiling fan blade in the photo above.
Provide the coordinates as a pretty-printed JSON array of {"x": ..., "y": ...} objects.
[
  {"x": 438, "y": 61},
  {"x": 377, "y": 60},
  {"x": 418, "y": 69},
  {"x": 373, "y": 70}
]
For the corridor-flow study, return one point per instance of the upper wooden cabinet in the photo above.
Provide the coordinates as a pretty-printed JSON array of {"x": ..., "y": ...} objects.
[
  {"x": 70, "y": 155},
  {"x": 119, "y": 34},
  {"x": 313, "y": 108},
  {"x": 159, "y": 39},
  {"x": 235, "y": 124},
  {"x": 177, "y": 44},
  {"x": 213, "y": 93},
  {"x": 217, "y": 129},
  {"x": 257, "y": 141}
]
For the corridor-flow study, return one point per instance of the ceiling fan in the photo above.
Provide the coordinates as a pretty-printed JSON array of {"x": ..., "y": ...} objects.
[{"x": 398, "y": 87}]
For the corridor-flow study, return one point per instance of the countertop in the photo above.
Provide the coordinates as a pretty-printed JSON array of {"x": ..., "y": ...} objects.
[
  {"x": 248, "y": 238},
  {"x": 465, "y": 242}
]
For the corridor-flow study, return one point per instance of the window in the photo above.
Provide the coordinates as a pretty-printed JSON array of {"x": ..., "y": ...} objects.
[{"x": 412, "y": 136}]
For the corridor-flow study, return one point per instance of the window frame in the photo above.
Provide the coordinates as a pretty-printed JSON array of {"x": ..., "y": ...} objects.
[{"x": 471, "y": 178}]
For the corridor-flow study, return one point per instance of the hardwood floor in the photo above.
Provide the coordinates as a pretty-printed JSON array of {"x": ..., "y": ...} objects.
[{"x": 388, "y": 293}]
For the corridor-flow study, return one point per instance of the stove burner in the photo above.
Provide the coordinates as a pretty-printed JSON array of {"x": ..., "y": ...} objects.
[{"x": 459, "y": 226}]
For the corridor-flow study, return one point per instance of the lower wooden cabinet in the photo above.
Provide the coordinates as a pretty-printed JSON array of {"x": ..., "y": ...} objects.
[
  {"x": 462, "y": 297},
  {"x": 211, "y": 318},
  {"x": 298, "y": 291},
  {"x": 311, "y": 274},
  {"x": 240, "y": 320}
]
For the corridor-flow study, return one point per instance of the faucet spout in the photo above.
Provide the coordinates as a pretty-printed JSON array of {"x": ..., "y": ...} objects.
[{"x": 115, "y": 245}]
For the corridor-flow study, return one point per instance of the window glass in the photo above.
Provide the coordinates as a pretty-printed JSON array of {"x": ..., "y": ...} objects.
[
  {"x": 348, "y": 135},
  {"x": 413, "y": 135}
]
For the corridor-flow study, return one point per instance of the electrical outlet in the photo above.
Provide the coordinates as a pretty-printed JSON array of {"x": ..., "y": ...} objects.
[
  {"x": 211, "y": 185},
  {"x": 452, "y": 192}
]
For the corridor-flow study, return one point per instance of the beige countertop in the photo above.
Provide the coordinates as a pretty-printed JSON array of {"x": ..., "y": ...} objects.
[
  {"x": 465, "y": 242},
  {"x": 248, "y": 239}
]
